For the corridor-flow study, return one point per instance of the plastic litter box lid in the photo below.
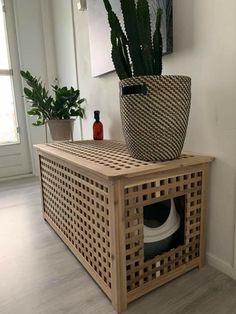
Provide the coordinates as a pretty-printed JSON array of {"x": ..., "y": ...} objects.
[{"x": 169, "y": 227}]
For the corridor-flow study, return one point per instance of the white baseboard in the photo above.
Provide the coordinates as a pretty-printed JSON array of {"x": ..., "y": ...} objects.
[
  {"x": 221, "y": 265},
  {"x": 23, "y": 176}
]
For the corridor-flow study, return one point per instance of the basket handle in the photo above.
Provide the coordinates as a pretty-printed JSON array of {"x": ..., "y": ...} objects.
[{"x": 134, "y": 90}]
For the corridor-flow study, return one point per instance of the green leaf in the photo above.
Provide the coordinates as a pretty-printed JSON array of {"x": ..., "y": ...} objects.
[
  {"x": 80, "y": 101},
  {"x": 38, "y": 123}
]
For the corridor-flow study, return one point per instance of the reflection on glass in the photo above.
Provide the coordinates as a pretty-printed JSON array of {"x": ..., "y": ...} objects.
[
  {"x": 4, "y": 60},
  {"x": 8, "y": 126}
]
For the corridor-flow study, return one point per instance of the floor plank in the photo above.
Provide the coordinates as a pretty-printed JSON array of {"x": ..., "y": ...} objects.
[{"x": 39, "y": 275}]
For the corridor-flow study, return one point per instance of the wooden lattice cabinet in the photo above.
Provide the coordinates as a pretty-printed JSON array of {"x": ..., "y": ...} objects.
[{"x": 94, "y": 195}]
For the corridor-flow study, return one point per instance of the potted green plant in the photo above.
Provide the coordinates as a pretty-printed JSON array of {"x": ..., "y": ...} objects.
[
  {"x": 55, "y": 111},
  {"x": 154, "y": 107}
]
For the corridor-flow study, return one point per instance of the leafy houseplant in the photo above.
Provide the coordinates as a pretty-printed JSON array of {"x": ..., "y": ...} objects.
[
  {"x": 55, "y": 111},
  {"x": 154, "y": 107}
]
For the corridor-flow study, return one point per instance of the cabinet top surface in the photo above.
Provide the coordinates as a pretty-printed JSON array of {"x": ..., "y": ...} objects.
[{"x": 111, "y": 159}]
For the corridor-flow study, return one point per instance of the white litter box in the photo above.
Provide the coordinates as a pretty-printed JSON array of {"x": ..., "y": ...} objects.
[{"x": 158, "y": 235}]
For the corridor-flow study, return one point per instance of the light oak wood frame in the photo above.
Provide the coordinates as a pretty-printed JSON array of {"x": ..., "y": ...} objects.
[{"x": 108, "y": 218}]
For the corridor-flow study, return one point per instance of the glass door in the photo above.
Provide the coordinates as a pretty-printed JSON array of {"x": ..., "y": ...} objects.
[
  {"x": 8, "y": 133},
  {"x": 14, "y": 152}
]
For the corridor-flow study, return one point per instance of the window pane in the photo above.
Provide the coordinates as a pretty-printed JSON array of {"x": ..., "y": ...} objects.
[
  {"x": 4, "y": 60},
  {"x": 8, "y": 126}
]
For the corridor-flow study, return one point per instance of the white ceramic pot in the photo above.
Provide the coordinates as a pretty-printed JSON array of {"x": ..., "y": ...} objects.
[{"x": 61, "y": 130}]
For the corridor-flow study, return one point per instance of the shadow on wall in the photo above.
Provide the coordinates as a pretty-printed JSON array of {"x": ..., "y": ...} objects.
[
  {"x": 183, "y": 19},
  {"x": 220, "y": 240},
  {"x": 115, "y": 130}
]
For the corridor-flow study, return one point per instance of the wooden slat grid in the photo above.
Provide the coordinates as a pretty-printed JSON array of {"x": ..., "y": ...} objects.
[
  {"x": 109, "y": 154},
  {"x": 113, "y": 155},
  {"x": 140, "y": 272},
  {"x": 79, "y": 206}
]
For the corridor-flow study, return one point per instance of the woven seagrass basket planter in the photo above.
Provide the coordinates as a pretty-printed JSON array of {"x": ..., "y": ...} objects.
[{"x": 154, "y": 114}]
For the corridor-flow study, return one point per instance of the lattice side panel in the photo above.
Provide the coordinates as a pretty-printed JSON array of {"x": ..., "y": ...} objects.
[
  {"x": 79, "y": 207},
  {"x": 137, "y": 196}
]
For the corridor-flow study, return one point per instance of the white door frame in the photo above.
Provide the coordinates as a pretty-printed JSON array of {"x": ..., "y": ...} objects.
[{"x": 19, "y": 151}]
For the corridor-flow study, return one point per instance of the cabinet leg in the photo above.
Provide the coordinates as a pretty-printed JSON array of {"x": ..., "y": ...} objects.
[
  {"x": 204, "y": 211},
  {"x": 119, "y": 308},
  {"x": 44, "y": 218},
  {"x": 202, "y": 261}
]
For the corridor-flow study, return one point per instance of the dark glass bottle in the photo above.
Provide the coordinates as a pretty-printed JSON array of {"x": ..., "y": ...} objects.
[{"x": 97, "y": 127}]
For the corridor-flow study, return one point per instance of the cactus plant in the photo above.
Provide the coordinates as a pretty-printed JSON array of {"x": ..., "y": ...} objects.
[
  {"x": 119, "y": 42},
  {"x": 135, "y": 52}
]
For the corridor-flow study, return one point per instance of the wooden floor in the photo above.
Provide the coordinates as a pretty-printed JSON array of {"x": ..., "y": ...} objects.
[{"x": 38, "y": 274}]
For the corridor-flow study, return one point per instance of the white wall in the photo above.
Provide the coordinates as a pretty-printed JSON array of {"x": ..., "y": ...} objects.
[
  {"x": 101, "y": 93},
  {"x": 205, "y": 49},
  {"x": 209, "y": 58},
  {"x": 64, "y": 42},
  {"x": 65, "y": 49}
]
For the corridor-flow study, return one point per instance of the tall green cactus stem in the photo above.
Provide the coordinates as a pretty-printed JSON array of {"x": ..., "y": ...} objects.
[
  {"x": 145, "y": 52},
  {"x": 144, "y": 28},
  {"x": 157, "y": 44},
  {"x": 128, "y": 8},
  {"x": 120, "y": 56},
  {"x": 122, "y": 67}
]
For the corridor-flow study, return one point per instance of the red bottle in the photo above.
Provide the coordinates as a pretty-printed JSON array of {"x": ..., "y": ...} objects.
[{"x": 97, "y": 127}]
